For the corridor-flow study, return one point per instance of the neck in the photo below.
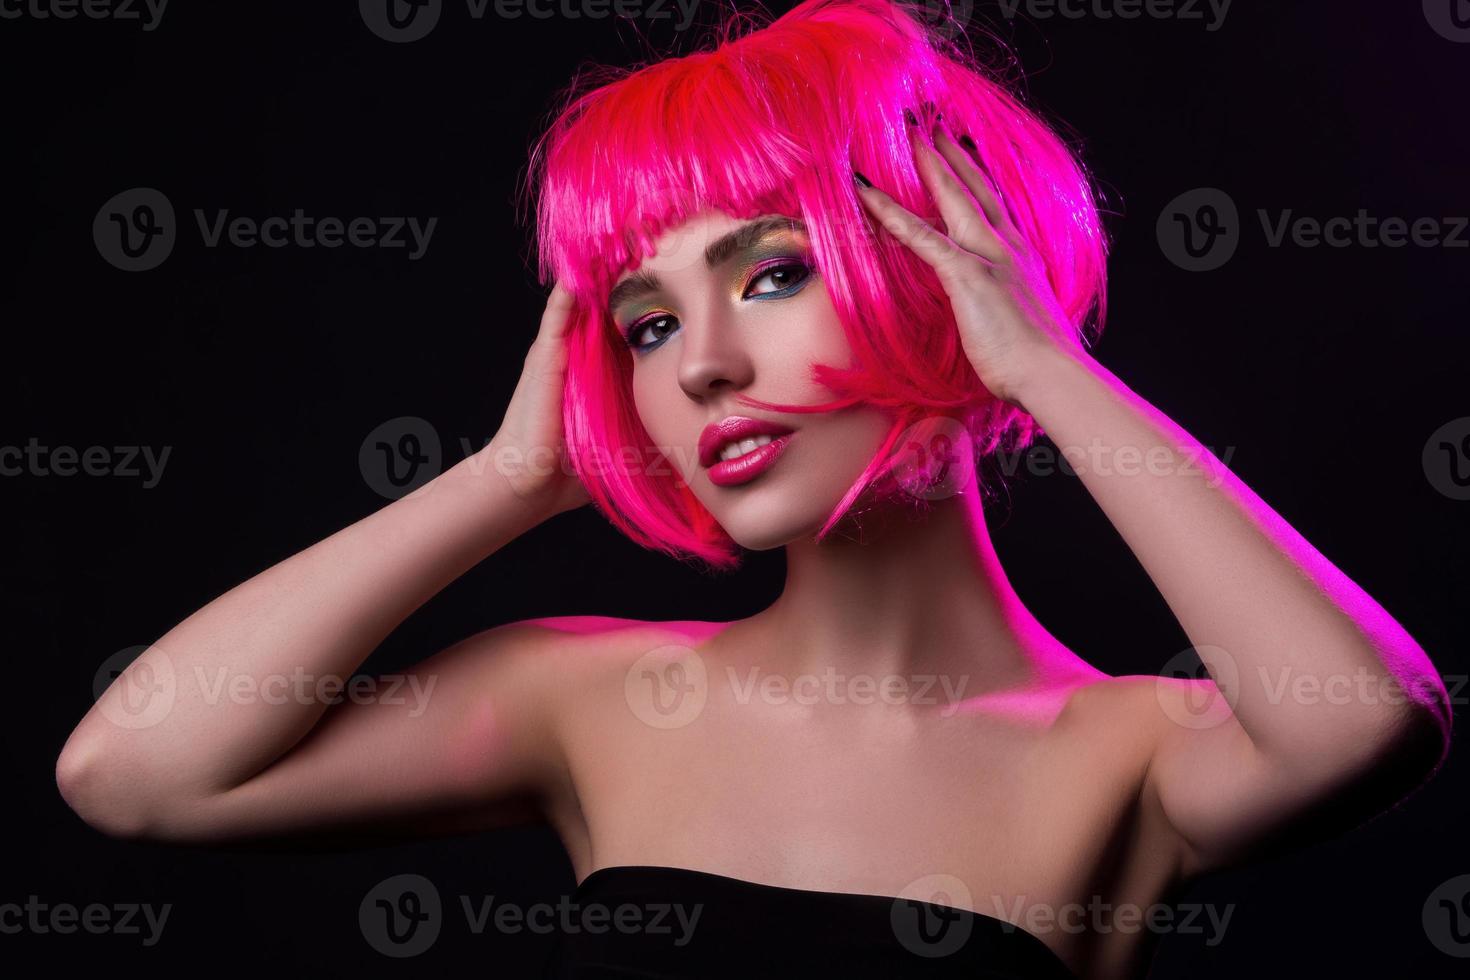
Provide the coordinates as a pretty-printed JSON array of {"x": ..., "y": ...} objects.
[{"x": 911, "y": 594}]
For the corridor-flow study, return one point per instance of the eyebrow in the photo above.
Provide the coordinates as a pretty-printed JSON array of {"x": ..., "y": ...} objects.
[{"x": 642, "y": 283}]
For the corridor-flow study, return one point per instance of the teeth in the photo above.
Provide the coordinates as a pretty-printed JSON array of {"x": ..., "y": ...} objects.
[{"x": 737, "y": 449}]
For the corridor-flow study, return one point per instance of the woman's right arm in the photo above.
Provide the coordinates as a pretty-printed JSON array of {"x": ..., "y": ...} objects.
[{"x": 250, "y": 747}]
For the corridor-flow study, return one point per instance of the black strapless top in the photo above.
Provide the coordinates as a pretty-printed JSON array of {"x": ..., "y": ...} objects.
[{"x": 660, "y": 923}]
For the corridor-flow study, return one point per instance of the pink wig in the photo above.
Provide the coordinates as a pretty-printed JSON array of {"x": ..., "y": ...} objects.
[{"x": 773, "y": 120}]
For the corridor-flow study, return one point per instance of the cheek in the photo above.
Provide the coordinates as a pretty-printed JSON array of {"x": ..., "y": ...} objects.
[
  {"x": 795, "y": 341},
  {"x": 656, "y": 400}
]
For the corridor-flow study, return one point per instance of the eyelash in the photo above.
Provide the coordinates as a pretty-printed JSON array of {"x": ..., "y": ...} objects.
[{"x": 760, "y": 273}]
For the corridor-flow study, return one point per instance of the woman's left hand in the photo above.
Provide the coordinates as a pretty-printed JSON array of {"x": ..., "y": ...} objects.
[{"x": 1008, "y": 315}]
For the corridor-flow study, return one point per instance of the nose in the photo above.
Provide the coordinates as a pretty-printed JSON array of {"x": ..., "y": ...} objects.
[{"x": 713, "y": 358}]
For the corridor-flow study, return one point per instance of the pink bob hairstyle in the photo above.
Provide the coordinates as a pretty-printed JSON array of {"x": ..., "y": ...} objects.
[{"x": 772, "y": 120}]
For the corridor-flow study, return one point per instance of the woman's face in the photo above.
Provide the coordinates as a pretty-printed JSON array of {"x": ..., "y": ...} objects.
[{"x": 727, "y": 307}]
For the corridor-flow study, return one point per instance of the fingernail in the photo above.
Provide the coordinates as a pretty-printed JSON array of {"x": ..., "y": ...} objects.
[{"x": 860, "y": 179}]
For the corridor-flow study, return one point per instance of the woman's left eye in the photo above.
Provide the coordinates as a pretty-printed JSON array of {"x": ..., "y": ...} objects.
[{"x": 783, "y": 277}]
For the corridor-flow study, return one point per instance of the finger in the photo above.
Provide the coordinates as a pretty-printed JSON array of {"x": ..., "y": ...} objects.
[
  {"x": 963, "y": 216},
  {"x": 940, "y": 251},
  {"x": 965, "y": 161},
  {"x": 556, "y": 316}
]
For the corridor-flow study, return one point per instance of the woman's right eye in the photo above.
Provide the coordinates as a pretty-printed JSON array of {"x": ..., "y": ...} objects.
[{"x": 649, "y": 332}]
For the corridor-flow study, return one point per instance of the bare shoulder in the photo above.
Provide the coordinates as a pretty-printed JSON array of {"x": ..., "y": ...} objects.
[
  {"x": 607, "y": 634},
  {"x": 1141, "y": 709},
  {"x": 570, "y": 649},
  {"x": 1148, "y": 700}
]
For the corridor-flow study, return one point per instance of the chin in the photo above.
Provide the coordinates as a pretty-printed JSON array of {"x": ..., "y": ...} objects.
[
  {"x": 767, "y": 536},
  {"x": 764, "y": 517}
]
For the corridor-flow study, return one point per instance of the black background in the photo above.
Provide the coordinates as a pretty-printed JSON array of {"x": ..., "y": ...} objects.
[{"x": 1324, "y": 371}]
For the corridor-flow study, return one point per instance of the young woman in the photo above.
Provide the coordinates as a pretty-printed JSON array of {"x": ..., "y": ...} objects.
[{"x": 803, "y": 280}]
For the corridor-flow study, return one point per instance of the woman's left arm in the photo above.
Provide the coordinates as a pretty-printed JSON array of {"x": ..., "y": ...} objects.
[
  {"x": 1329, "y": 705},
  {"x": 1331, "y": 711}
]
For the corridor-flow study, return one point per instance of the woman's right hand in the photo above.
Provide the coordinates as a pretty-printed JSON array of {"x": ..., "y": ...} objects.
[{"x": 529, "y": 450}]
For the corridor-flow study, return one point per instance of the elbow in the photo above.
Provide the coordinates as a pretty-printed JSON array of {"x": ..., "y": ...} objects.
[
  {"x": 82, "y": 779},
  {"x": 1415, "y": 715},
  {"x": 1428, "y": 722},
  {"x": 1420, "y": 741},
  {"x": 1435, "y": 731}
]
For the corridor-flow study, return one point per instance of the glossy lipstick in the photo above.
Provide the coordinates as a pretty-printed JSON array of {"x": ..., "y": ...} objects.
[{"x": 746, "y": 467}]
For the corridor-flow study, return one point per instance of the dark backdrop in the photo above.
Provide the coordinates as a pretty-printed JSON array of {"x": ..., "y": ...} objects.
[{"x": 1326, "y": 371}]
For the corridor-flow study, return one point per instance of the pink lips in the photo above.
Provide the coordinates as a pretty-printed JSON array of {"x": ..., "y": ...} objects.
[{"x": 742, "y": 469}]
